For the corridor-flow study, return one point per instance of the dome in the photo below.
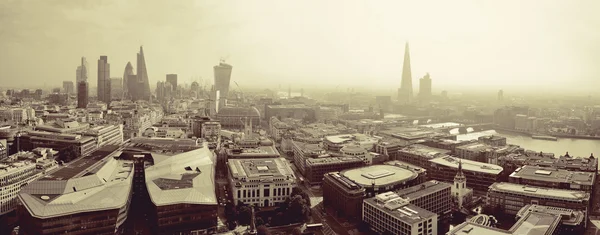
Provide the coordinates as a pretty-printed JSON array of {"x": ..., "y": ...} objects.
[{"x": 239, "y": 111}]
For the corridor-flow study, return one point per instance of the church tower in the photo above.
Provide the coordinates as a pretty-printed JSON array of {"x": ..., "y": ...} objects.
[{"x": 459, "y": 189}]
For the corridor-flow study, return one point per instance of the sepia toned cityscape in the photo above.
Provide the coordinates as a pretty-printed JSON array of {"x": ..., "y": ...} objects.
[{"x": 159, "y": 139}]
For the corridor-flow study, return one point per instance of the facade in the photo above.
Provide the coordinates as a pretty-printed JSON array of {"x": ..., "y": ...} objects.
[
  {"x": 389, "y": 213},
  {"x": 129, "y": 82},
  {"x": 491, "y": 140},
  {"x": 510, "y": 198},
  {"x": 106, "y": 135},
  {"x": 316, "y": 168},
  {"x": 434, "y": 196},
  {"x": 13, "y": 176},
  {"x": 82, "y": 94},
  {"x": 460, "y": 193},
  {"x": 104, "y": 80},
  {"x": 278, "y": 128},
  {"x": 69, "y": 201},
  {"x": 261, "y": 182},
  {"x": 68, "y": 87},
  {"x": 553, "y": 178},
  {"x": 250, "y": 153},
  {"x": 303, "y": 151},
  {"x": 405, "y": 93},
  {"x": 420, "y": 155},
  {"x": 83, "y": 145},
  {"x": 357, "y": 151},
  {"x": 63, "y": 126},
  {"x": 222, "y": 74},
  {"x": 425, "y": 88},
  {"x": 479, "y": 175},
  {"x": 211, "y": 130},
  {"x": 343, "y": 196}
]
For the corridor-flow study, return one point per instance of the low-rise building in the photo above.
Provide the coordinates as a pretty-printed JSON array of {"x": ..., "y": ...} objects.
[
  {"x": 261, "y": 182},
  {"x": 493, "y": 140},
  {"x": 510, "y": 198},
  {"x": 357, "y": 151},
  {"x": 553, "y": 178},
  {"x": 83, "y": 145},
  {"x": 382, "y": 178},
  {"x": 420, "y": 155},
  {"x": 343, "y": 196},
  {"x": 479, "y": 175},
  {"x": 251, "y": 153},
  {"x": 389, "y": 213},
  {"x": 432, "y": 195}
]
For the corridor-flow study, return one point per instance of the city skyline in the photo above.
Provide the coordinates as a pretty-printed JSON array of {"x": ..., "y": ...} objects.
[{"x": 466, "y": 45}]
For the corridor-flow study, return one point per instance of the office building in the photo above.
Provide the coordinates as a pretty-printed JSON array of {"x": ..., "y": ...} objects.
[
  {"x": 211, "y": 130},
  {"x": 405, "y": 93},
  {"x": 141, "y": 84},
  {"x": 479, "y": 175},
  {"x": 172, "y": 78},
  {"x": 106, "y": 134},
  {"x": 510, "y": 198},
  {"x": 316, "y": 168},
  {"x": 295, "y": 111},
  {"x": 359, "y": 152},
  {"x": 68, "y": 87},
  {"x": 531, "y": 219},
  {"x": 116, "y": 88},
  {"x": 389, "y": 213},
  {"x": 103, "y": 80},
  {"x": 420, "y": 155},
  {"x": 493, "y": 140},
  {"x": 83, "y": 198},
  {"x": 278, "y": 128},
  {"x": 82, "y": 94},
  {"x": 222, "y": 73},
  {"x": 261, "y": 182},
  {"x": 233, "y": 117},
  {"x": 434, "y": 196},
  {"x": 4, "y": 148},
  {"x": 500, "y": 95},
  {"x": 252, "y": 153},
  {"x": 553, "y": 178},
  {"x": 425, "y": 88},
  {"x": 343, "y": 196},
  {"x": 303, "y": 151},
  {"x": 13, "y": 176},
  {"x": 83, "y": 145},
  {"x": 63, "y": 126}
]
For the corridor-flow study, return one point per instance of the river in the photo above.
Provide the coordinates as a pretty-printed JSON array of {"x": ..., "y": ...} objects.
[{"x": 575, "y": 147}]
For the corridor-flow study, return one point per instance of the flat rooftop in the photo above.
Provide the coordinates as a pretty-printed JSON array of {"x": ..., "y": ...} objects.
[
  {"x": 442, "y": 125},
  {"x": 254, "y": 152},
  {"x": 474, "y": 147},
  {"x": 540, "y": 192},
  {"x": 259, "y": 168},
  {"x": 379, "y": 174},
  {"x": 468, "y": 165},
  {"x": 423, "y": 189},
  {"x": 331, "y": 160},
  {"x": 399, "y": 208},
  {"x": 554, "y": 175},
  {"x": 82, "y": 164},
  {"x": 425, "y": 151}
]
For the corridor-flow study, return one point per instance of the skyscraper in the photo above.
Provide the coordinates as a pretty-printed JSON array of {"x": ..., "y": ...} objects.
[
  {"x": 222, "y": 80},
  {"x": 68, "y": 87},
  {"x": 172, "y": 78},
  {"x": 425, "y": 88},
  {"x": 500, "y": 95},
  {"x": 116, "y": 88},
  {"x": 103, "y": 79},
  {"x": 82, "y": 84},
  {"x": 405, "y": 93},
  {"x": 142, "y": 86},
  {"x": 129, "y": 81}
]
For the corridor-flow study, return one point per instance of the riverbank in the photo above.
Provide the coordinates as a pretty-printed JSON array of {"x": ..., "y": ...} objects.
[{"x": 557, "y": 135}]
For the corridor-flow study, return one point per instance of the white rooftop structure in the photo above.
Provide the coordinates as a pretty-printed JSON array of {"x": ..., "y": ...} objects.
[
  {"x": 468, "y": 165},
  {"x": 568, "y": 195},
  {"x": 186, "y": 178},
  {"x": 108, "y": 188}
]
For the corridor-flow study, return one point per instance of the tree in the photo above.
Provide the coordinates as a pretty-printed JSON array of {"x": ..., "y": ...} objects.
[
  {"x": 68, "y": 154},
  {"x": 244, "y": 215},
  {"x": 297, "y": 231},
  {"x": 263, "y": 230}
]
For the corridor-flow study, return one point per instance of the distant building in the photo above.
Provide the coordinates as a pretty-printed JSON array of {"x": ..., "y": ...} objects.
[
  {"x": 295, "y": 111},
  {"x": 510, "y": 198},
  {"x": 211, "y": 130},
  {"x": 479, "y": 175},
  {"x": 58, "y": 99},
  {"x": 405, "y": 93},
  {"x": 222, "y": 73},
  {"x": 233, "y": 117},
  {"x": 82, "y": 94},
  {"x": 500, "y": 95},
  {"x": 252, "y": 153},
  {"x": 172, "y": 78},
  {"x": 261, "y": 182},
  {"x": 491, "y": 140},
  {"x": 116, "y": 88},
  {"x": 425, "y": 88},
  {"x": 104, "y": 80},
  {"x": 68, "y": 87},
  {"x": 389, "y": 213},
  {"x": 83, "y": 145}
]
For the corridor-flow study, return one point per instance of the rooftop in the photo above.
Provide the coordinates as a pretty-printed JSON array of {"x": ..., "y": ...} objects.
[
  {"x": 554, "y": 175},
  {"x": 379, "y": 175},
  {"x": 468, "y": 165},
  {"x": 423, "y": 189},
  {"x": 254, "y": 152},
  {"x": 540, "y": 192},
  {"x": 425, "y": 151},
  {"x": 185, "y": 178},
  {"x": 107, "y": 188},
  {"x": 331, "y": 160},
  {"x": 81, "y": 165},
  {"x": 399, "y": 208},
  {"x": 259, "y": 168}
]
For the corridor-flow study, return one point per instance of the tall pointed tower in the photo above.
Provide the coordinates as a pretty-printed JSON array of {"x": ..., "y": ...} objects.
[
  {"x": 143, "y": 88},
  {"x": 459, "y": 189},
  {"x": 405, "y": 93}
]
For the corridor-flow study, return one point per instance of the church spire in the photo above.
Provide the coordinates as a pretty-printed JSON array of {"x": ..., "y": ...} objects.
[{"x": 460, "y": 172}]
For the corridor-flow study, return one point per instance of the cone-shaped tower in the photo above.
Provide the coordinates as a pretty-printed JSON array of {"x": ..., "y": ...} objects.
[{"x": 405, "y": 93}]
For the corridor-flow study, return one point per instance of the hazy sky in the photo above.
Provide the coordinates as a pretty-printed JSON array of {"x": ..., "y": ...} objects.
[{"x": 352, "y": 43}]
